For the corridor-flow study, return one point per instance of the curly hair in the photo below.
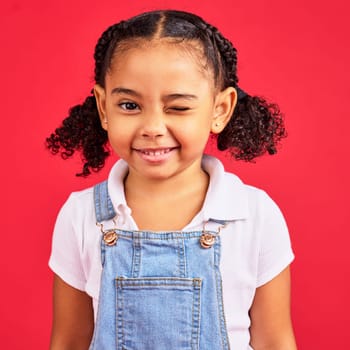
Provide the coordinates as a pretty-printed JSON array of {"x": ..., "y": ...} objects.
[{"x": 255, "y": 128}]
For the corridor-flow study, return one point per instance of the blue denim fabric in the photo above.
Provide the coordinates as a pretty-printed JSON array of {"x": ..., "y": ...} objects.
[{"x": 159, "y": 290}]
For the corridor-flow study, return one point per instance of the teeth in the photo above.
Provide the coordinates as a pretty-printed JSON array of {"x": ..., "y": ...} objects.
[{"x": 156, "y": 153}]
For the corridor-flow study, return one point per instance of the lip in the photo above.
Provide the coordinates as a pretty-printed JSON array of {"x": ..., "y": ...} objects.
[{"x": 155, "y": 155}]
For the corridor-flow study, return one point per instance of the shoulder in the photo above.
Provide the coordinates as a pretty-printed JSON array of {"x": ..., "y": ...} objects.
[
  {"x": 259, "y": 234},
  {"x": 230, "y": 198},
  {"x": 75, "y": 239},
  {"x": 78, "y": 205},
  {"x": 255, "y": 194},
  {"x": 253, "y": 203},
  {"x": 261, "y": 208},
  {"x": 259, "y": 200},
  {"x": 81, "y": 196}
]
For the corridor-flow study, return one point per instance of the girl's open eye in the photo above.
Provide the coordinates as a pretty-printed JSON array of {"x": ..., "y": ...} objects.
[{"x": 128, "y": 106}]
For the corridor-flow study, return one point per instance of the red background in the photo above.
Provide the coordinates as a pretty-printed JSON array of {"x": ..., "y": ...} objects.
[{"x": 295, "y": 54}]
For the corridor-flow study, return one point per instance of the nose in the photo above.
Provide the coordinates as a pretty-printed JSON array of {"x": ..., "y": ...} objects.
[{"x": 153, "y": 125}]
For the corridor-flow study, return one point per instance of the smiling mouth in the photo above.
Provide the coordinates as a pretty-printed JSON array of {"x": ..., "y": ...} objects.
[
  {"x": 155, "y": 152},
  {"x": 155, "y": 155}
]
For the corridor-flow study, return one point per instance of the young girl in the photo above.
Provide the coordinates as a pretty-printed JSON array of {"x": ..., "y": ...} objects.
[{"x": 171, "y": 252}]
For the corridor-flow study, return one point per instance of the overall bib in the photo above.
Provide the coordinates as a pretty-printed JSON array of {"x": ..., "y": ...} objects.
[{"x": 159, "y": 290}]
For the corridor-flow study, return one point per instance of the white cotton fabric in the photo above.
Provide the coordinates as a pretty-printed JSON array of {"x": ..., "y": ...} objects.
[{"x": 255, "y": 244}]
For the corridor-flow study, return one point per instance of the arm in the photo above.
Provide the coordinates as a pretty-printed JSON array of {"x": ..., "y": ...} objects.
[
  {"x": 271, "y": 327},
  {"x": 73, "y": 319}
]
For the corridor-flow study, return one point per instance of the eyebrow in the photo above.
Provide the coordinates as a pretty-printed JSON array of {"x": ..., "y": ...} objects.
[
  {"x": 181, "y": 96},
  {"x": 121, "y": 90},
  {"x": 175, "y": 96}
]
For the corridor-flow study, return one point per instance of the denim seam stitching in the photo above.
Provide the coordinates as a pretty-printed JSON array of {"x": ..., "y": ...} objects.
[
  {"x": 181, "y": 258},
  {"x": 223, "y": 329},
  {"x": 183, "y": 251},
  {"x": 174, "y": 234},
  {"x": 136, "y": 257},
  {"x": 195, "y": 317},
  {"x": 190, "y": 283},
  {"x": 119, "y": 321},
  {"x": 97, "y": 202}
]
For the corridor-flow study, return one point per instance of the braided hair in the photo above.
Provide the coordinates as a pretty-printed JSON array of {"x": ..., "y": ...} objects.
[{"x": 255, "y": 128}]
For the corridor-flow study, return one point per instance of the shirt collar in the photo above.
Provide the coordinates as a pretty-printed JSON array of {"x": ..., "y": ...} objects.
[
  {"x": 116, "y": 187},
  {"x": 226, "y": 197}
]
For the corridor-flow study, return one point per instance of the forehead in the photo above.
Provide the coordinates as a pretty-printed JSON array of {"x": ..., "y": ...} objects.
[{"x": 183, "y": 56}]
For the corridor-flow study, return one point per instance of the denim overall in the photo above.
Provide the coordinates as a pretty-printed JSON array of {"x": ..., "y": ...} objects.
[{"x": 159, "y": 290}]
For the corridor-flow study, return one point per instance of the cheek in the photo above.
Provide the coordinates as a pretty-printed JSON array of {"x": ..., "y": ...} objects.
[
  {"x": 118, "y": 134},
  {"x": 121, "y": 127},
  {"x": 197, "y": 126},
  {"x": 193, "y": 135}
]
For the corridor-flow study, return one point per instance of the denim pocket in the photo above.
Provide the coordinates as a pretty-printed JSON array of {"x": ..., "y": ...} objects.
[{"x": 157, "y": 313}]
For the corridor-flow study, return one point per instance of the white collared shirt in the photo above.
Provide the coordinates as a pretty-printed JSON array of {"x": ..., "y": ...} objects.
[{"x": 255, "y": 244}]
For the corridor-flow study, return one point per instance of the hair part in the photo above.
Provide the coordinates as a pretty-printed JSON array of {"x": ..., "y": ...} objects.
[{"x": 255, "y": 128}]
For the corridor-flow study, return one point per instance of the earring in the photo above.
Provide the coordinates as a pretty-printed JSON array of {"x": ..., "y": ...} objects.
[{"x": 217, "y": 124}]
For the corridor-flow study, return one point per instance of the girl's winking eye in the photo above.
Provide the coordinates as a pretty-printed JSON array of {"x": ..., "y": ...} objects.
[{"x": 180, "y": 109}]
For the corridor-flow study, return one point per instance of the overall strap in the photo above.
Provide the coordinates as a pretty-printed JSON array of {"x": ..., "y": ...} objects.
[{"x": 103, "y": 205}]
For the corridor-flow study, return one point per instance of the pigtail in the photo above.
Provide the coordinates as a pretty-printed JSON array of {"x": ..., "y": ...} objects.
[
  {"x": 81, "y": 131},
  {"x": 255, "y": 128}
]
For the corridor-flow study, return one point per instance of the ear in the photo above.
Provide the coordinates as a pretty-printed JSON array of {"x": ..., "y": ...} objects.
[
  {"x": 225, "y": 103},
  {"x": 100, "y": 96}
]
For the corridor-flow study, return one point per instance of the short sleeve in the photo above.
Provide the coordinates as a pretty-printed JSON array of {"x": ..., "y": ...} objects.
[
  {"x": 65, "y": 259},
  {"x": 275, "y": 251}
]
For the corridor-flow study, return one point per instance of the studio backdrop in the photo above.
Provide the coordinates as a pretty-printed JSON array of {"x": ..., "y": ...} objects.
[{"x": 294, "y": 53}]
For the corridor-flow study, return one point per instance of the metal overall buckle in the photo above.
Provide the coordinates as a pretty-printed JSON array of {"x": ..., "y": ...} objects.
[
  {"x": 110, "y": 236},
  {"x": 207, "y": 239}
]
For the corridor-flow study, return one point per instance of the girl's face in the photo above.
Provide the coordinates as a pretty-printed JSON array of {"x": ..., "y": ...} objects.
[{"x": 159, "y": 106}]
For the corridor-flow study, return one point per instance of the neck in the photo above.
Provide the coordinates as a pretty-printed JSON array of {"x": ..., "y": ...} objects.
[{"x": 191, "y": 180}]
